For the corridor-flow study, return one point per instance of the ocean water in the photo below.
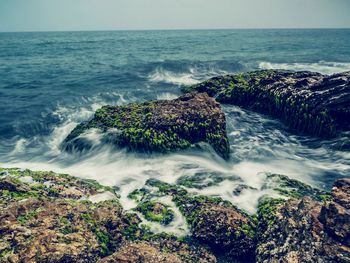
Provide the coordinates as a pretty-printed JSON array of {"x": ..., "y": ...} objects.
[{"x": 52, "y": 81}]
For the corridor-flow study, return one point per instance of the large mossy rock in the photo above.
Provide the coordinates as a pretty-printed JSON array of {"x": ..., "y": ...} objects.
[
  {"x": 305, "y": 230},
  {"x": 159, "y": 126},
  {"x": 308, "y": 102}
]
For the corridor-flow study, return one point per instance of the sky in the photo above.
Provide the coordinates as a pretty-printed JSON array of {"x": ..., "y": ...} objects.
[{"x": 72, "y": 15}]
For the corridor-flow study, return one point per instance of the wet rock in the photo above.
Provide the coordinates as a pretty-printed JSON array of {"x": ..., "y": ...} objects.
[
  {"x": 304, "y": 230},
  {"x": 39, "y": 226},
  {"x": 159, "y": 250},
  {"x": 156, "y": 211},
  {"x": 292, "y": 188},
  {"x": 159, "y": 126},
  {"x": 341, "y": 192},
  {"x": 141, "y": 252},
  {"x": 48, "y": 222},
  {"x": 308, "y": 102},
  {"x": 201, "y": 180},
  {"x": 214, "y": 222},
  {"x": 335, "y": 215},
  {"x": 12, "y": 185}
]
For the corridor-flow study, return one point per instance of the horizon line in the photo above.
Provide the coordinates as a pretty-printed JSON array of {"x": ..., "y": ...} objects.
[{"x": 177, "y": 29}]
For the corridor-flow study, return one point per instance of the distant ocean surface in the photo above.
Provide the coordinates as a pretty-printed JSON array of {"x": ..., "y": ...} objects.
[{"x": 49, "y": 82}]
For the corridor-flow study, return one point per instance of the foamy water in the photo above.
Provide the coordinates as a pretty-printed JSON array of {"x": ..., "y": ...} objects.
[
  {"x": 323, "y": 67},
  {"x": 259, "y": 145},
  {"x": 50, "y": 82}
]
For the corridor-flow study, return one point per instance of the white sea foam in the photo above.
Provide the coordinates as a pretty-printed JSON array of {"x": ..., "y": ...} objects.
[
  {"x": 192, "y": 76},
  {"x": 20, "y": 146},
  {"x": 100, "y": 197},
  {"x": 161, "y": 75},
  {"x": 321, "y": 67},
  {"x": 257, "y": 147},
  {"x": 166, "y": 96},
  {"x": 178, "y": 226}
]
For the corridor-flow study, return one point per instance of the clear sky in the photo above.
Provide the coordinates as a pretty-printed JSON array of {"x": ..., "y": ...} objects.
[{"x": 65, "y": 15}]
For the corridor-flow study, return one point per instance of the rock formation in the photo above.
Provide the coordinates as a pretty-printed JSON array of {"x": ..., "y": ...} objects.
[
  {"x": 158, "y": 126},
  {"x": 307, "y": 102}
]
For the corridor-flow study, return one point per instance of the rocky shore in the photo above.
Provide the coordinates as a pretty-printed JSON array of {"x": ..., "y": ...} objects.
[
  {"x": 158, "y": 126},
  {"x": 307, "y": 102},
  {"x": 50, "y": 217}
]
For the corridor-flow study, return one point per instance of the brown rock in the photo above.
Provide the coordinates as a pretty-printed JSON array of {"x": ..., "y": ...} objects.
[{"x": 140, "y": 252}]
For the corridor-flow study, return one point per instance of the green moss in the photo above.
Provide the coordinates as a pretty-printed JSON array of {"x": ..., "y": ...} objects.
[
  {"x": 104, "y": 240},
  {"x": 136, "y": 129},
  {"x": 138, "y": 194},
  {"x": 203, "y": 179},
  {"x": 267, "y": 209},
  {"x": 23, "y": 219},
  {"x": 250, "y": 90},
  {"x": 155, "y": 211},
  {"x": 296, "y": 189}
]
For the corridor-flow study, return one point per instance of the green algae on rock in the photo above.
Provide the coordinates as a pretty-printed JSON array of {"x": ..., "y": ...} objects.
[
  {"x": 214, "y": 222},
  {"x": 292, "y": 188},
  {"x": 156, "y": 211},
  {"x": 159, "y": 126},
  {"x": 47, "y": 217},
  {"x": 305, "y": 230},
  {"x": 308, "y": 102}
]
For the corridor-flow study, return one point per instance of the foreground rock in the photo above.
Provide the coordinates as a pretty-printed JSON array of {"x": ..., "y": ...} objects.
[
  {"x": 48, "y": 217},
  {"x": 214, "y": 222},
  {"x": 158, "y": 126},
  {"x": 306, "y": 230},
  {"x": 308, "y": 102}
]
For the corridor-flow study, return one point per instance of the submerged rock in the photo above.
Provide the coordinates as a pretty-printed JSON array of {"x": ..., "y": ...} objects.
[
  {"x": 158, "y": 126},
  {"x": 308, "y": 102},
  {"x": 305, "y": 230}
]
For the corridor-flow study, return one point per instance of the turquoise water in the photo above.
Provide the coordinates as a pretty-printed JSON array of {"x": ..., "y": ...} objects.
[{"x": 52, "y": 81}]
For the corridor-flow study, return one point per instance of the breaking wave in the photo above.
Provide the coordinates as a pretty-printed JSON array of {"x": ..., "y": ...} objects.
[
  {"x": 321, "y": 67},
  {"x": 190, "y": 77}
]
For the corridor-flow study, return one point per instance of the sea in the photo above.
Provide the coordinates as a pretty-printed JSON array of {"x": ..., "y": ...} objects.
[{"x": 51, "y": 81}]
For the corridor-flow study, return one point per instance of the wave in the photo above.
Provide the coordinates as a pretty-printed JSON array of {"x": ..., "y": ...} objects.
[
  {"x": 192, "y": 76},
  {"x": 167, "y": 96},
  {"x": 161, "y": 75},
  {"x": 321, "y": 67}
]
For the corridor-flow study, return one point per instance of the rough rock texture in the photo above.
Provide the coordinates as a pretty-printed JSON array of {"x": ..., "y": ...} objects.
[
  {"x": 305, "y": 230},
  {"x": 47, "y": 217},
  {"x": 335, "y": 215},
  {"x": 308, "y": 102},
  {"x": 155, "y": 251},
  {"x": 141, "y": 252},
  {"x": 291, "y": 188},
  {"x": 45, "y": 220},
  {"x": 159, "y": 126},
  {"x": 214, "y": 222},
  {"x": 156, "y": 211}
]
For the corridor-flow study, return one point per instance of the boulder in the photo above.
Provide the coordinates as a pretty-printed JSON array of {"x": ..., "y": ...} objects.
[
  {"x": 304, "y": 230},
  {"x": 46, "y": 219},
  {"x": 140, "y": 252},
  {"x": 307, "y": 102},
  {"x": 163, "y": 249},
  {"x": 158, "y": 126},
  {"x": 214, "y": 222}
]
